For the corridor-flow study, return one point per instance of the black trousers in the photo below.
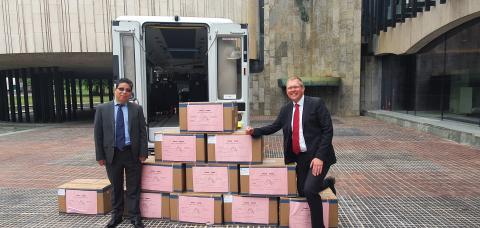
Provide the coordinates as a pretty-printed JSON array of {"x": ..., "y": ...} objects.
[
  {"x": 124, "y": 161},
  {"x": 309, "y": 186}
]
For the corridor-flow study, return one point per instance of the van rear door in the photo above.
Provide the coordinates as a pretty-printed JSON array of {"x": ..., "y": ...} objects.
[
  {"x": 228, "y": 66},
  {"x": 127, "y": 49}
]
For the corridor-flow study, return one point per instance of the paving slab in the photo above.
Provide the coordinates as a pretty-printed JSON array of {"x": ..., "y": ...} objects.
[{"x": 387, "y": 176}]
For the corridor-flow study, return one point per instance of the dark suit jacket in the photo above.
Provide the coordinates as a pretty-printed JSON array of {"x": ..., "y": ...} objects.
[
  {"x": 104, "y": 131},
  {"x": 317, "y": 130}
]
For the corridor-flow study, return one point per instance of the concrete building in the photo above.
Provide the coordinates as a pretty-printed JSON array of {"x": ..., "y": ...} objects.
[
  {"x": 70, "y": 41},
  {"x": 421, "y": 58},
  {"x": 412, "y": 56}
]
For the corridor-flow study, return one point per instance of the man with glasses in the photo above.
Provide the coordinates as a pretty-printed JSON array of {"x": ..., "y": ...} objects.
[
  {"x": 307, "y": 140},
  {"x": 121, "y": 146}
]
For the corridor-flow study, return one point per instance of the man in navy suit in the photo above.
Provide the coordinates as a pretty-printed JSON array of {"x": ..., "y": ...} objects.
[
  {"x": 307, "y": 140},
  {"x": 121, "y": 146}
]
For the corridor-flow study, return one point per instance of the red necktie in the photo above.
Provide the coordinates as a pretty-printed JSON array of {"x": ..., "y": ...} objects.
[{"x": 296, "y": 131}]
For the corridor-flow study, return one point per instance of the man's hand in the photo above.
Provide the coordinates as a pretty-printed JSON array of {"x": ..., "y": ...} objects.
[
  {"x": 249, "y": 130},
  {"x": 101, "y": 162},
  {"x": 316, "y": 165},
  {"x": 142, "y": 158}
]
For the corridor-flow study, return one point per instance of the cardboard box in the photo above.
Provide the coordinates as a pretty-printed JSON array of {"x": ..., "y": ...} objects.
[
  {"x": 208, "y": 117},
  {"x": 296, "y": 212},
  {"x": 85, "y": 196},
  {"x": 163, "y": 176},
  {"x": 177, "y": 147},
  {"x": 155, "y": 205},
  {"x": 250, "y": 210},
  {"x": 235, "y": 148},
  {"x": 272, "y": 178},
  {"x": 202, "y": 208},
  {"x": 213, "y": 178}
]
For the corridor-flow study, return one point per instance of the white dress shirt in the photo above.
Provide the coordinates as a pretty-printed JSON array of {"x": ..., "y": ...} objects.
[{"x": 303, "y": 146}]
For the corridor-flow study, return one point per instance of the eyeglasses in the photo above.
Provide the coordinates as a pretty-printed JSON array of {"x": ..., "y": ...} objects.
[{"x": 126, "y": 90}]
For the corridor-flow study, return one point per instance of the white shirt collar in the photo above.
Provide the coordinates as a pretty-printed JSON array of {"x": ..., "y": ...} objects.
[
  {"x": 300, "y": 102},
  {"x": 115, "y": 103}
]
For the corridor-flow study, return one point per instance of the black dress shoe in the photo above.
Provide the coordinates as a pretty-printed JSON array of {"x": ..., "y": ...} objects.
[
  {"x": 114, "y": 222},
  {"x": 137, "y": 223},
  {"x": 330, "y": 182}
]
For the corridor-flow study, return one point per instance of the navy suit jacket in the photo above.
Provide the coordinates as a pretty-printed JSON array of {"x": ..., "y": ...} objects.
[{"x": 317, "y": 130}]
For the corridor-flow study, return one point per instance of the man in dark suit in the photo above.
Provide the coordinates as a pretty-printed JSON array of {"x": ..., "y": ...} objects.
[
  {"x": 307, "y": 140},
  {"x": 121, "y": 145}
]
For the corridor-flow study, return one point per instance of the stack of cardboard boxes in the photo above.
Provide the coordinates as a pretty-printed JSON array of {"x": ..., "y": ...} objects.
[
  {"x": 217, "y": 178},
  {"x": 207, "y": 172}
]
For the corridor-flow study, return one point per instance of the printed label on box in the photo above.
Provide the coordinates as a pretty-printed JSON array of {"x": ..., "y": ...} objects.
[
  {"x": 227, "y": 198},
  {"x": 233, "y": 148},
  {"x": 244, "y": 171},
  {"x": 207, "y": 117},
  {"x": 179, "y": 148},
  {"x": 250, "y": 210},
  {"x": 268, "y": 181},
  {"x": 157, "y": 178},
  {"x": 211, "y": 139},
  {"x": 158, "y": 137},
  {"x": 151, "y": 205},
  {"x": 61, "y": 192},
  {"x": 210, "y": 179},
  {"x": 81, "y": 202},
  {"x": 196, "y": 209},
  {"x": 299, "y": 216}
]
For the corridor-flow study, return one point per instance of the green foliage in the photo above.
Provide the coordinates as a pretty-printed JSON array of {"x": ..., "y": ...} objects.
[{"x": 95, "y": 86}]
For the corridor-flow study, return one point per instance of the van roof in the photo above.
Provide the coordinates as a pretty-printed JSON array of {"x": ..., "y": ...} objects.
[{"x": 143, "y": 19}]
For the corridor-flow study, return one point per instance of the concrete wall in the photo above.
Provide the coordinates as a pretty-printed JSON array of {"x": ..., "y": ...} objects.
[
  {"x": 328, "y": 44},
  {"x": 371, "y": 83},
  {"x": 415, "y": 33},
  {"x": 33, "y": 26}
]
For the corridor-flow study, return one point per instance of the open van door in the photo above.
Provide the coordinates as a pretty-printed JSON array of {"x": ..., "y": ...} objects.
[
  {"x": 127, "y": 53},
  {"x": 229, "y": 66}
]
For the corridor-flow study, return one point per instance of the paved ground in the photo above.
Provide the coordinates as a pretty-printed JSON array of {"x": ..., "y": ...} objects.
[{"x": 387, "y": 176}]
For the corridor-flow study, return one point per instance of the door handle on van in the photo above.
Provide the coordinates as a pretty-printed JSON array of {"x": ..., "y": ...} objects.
[{"x": 124, "y": 30}]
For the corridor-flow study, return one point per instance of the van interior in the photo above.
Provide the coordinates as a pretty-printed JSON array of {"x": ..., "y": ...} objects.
[{"x": 177, "y": 70}]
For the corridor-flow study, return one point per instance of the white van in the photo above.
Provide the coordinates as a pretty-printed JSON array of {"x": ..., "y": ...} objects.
[{"x": 181, "y": 59}]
